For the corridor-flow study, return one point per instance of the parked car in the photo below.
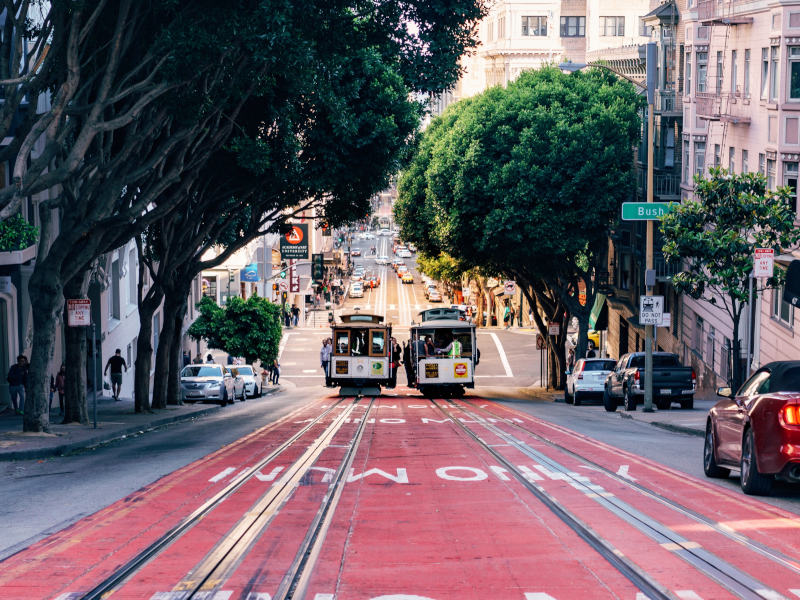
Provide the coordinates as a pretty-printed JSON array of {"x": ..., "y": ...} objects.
[
  {"x": 757, "y": 429},
  {"x": 587, "y": 379},
  {"x": 408, "y": 277},
  {"x": 356, "y": 290},
  {"x": 245, "y": 382},
  {"x": 404, "y": 253},
  {"x": 428, "y": 289},
  {"x": 672, "y": 382},
  {"x": 382, "y": 260},
  {"x": 412, "y": 247},
  {"x": 434, "y": 296},
  {"x": 206, "y": 382}
]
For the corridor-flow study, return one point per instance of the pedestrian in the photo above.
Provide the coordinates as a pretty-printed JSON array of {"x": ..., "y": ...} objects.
[
  {"x": 197, "y": 360},
  {"x": 511, "y": 316},
  {"x": 61, "y": 384},
  {"x": 17, "y": 379},
  {"x": 506, "y": 315},
  {"x": 408, "y": 364},
  {"x": 590, "y": 352},
  {"x": 209, "y": 360},
  {"x": 276, "y": 372},
  {"x": 116, "y": 363},
  {"x": 430, "y": 349},
  {"x": 325, "y": 359},
  {"x": 397, "y": 356},
  {"x": 295, "y": 315},
  {"x": 187, "y": 359}
]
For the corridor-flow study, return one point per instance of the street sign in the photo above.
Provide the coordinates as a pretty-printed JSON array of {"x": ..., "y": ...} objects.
[
  {"x": 294, "y": 243},
  {"x": 465, "y": 291},
  {"x": 283, "y": 285},
  {"x": 509, "y": 288},
  {"x": 79, "y": 312},
  {"x": 666, "y": 320},
  {"x": 249, "y": 273},
  {"x": 651, "y": 310},
  {"x": 294, "y": 277},
  {"x": 539, "y": 342},
  {"x": 553, "y": 329},
  {"x": 645, "y": 211},
  {"x": 764, "y": 262}
]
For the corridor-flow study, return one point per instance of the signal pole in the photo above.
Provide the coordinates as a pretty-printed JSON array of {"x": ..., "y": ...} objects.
[{"x": 649, "y": 276}]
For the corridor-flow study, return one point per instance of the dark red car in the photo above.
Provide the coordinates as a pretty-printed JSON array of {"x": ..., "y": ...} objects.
[{"x": 757, "y": 430}]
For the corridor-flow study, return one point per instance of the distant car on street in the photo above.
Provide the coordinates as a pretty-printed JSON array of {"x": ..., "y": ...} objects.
[
  {"x": 434, "y": 296},
  {"x": 355, "y": 252},
  {"x": 428, "y": 289},
  {"x": 384, "y": 232},
  {"x": 587, "y": 379},
  {"x": 382, "y": 260},
  {"x": 245, "y": 382},
  {"x": 207, "y": 382},
  {"x": 757, "y": 429},
  {"x": 408, "y": 278},
  {"x": 404, "y": 253},
  {"x": 356, "y": 290}
]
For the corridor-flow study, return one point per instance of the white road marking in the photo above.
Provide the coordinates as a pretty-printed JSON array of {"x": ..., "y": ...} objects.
[
  {"x": 309, "y": 370},
  {"x": 796, "y": 592},
  {"x": 282, "y": 345},
  {"x": 623, "y": 472},
  {"x": 538, "y": 596},
  {"x": 222, "y": 474},
  {"x": 502, "y": 353},
  {"x": 770, "y": 595},
  {"x": 687, "y": 595}
]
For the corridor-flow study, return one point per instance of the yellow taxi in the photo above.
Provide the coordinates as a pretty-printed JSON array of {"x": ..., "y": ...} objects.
[{"x": 408, "y": 278}]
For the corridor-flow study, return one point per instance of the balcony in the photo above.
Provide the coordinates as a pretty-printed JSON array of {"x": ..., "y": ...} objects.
[
  {"x": 724, "y": 12},
  {"x": 18, "y": 257},
  {"x": 730, "y": 107},
  {"x": 668, "y": 103},
  {"x": 666, "y": 186},
  {"x": 664, "y": 270}
]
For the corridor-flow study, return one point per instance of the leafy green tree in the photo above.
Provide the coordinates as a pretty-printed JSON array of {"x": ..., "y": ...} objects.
[
  {"x": 527, "y": 181},
  {"x": 248, "y": 328},
  {"x": 714, "y": 236}
]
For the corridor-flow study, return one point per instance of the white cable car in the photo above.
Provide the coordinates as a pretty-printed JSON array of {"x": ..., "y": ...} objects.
[
  {"x": 361, "y": 360},
  {"x": 450, "y": 367}
]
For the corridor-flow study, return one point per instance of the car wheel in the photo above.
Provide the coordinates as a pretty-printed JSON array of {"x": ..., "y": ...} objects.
[
  {"x": 710, "y": 466},
  {"x": 224, "y": 400},
  {"x": 687, "y": 403},
  {"x": 609, "y": 403},
  {"x": 630, "y": 401},
  {"x": 567, "y": 397},
  {"x": 576, "y": 399},
  {"x": 753, "y": 482}
]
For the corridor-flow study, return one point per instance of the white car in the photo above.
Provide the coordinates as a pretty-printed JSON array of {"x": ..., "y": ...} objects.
[
  {"x": 587, "y": 379},
  {"x": 208, "y": 381},
  {"x": 382, "y": 260},
  {"x": 357, "y": 290},
  {"x": 404, "y": 254},
  {"x": 384, "y": 232},
  {"x": 245, "y": 382}
]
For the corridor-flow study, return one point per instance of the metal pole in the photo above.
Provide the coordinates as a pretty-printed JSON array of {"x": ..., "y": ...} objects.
[
  {"x": 648, "y": 330},
  {"x": 749, "y": 325},
  {"x": 94, "y": 376}
]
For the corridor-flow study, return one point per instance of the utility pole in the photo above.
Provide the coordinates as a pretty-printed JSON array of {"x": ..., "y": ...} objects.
[{"x": 649, "y": 276}]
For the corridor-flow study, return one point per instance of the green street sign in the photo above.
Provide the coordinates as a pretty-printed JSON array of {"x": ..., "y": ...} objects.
[{"x": 645, "y": 211}]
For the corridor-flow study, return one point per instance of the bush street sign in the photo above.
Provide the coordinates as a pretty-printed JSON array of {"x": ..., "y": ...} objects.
[{"x": 645, "y": 211}]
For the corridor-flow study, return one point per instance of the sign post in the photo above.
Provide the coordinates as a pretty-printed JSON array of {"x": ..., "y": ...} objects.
[
  {"x": 79, "y": 314},
  {"x": 763, "y": 266}
]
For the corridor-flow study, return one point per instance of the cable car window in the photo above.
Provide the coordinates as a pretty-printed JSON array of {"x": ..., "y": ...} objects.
[
  {"x": 342, "y": 342},
  {"x": 358, "y": 342},
  {"x": 377, "y": 343}
]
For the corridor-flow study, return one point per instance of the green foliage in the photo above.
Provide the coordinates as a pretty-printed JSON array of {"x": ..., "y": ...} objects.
[
  {"x": 250, "y": 329},
  {"x": 16, "y": 233},
  {"x": 716, "y": 235},
  {"x": 441, "y": 267}
]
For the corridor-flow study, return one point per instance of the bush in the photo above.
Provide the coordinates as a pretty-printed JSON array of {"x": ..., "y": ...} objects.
[{"x": 16, "y": 233}]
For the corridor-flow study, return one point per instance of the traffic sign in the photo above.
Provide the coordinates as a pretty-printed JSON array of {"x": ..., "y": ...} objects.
[
  {"x": 509, "y": 288},
  {"x": 79, "y": 312},
  {"x": 764, "y": 262},
  {"x": 553, "y": 329},
  {"x": 645, "y": 211},
  {"x": 651, "y": 310},
  {"x": 283, "y": 285}
]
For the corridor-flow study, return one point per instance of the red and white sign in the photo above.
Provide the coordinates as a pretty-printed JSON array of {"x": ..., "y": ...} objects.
[
  {"x": 764, "y": 262},
  {"x": 509, "y": 288},
  {"x": 79, "y": 312},
  {"x": 553, "y": 329},
  {"x": 460, "y": 369},
  {"x": 294, "y": 277},
  {"x": 283, "y": 285}
]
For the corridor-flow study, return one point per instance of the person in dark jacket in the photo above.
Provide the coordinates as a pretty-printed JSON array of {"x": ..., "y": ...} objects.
[
  {"x": 409, "y": 365},
  {"x": 17, "y": 379},
  {"x": 397, "y": 355}
]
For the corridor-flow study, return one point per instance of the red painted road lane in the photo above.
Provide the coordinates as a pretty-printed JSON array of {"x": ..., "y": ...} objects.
[
  {"x": 89, "y": 550},
  {"x": 775, "y": 575},
  {"x": 278, "y": 543},
  {"x": 748, "y": 516},
  {"x": 435, "y": 528}
]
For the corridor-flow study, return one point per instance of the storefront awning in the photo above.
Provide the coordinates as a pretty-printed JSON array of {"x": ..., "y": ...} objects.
[{"x": 598, "y": 318}]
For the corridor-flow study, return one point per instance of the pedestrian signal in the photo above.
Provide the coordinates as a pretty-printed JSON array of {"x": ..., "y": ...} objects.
[
  {"x": 284, "y": 267},
  {"x": 284, "y": 296}
]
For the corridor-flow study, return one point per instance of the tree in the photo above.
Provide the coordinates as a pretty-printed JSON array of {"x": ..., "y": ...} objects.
[
  {"x": 527, "y": 181},
  {"x": 714, "y": 236},
  {"x": 248, "y": 328}
]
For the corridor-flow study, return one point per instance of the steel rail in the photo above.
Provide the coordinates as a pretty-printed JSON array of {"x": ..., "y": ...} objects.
[{"x": 112, "y": 582}]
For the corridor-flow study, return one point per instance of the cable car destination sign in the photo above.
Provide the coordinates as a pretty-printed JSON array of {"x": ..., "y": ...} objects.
[{"x": 645, "y": 211}]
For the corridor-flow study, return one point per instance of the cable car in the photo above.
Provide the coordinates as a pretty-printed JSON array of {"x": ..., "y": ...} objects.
[
  {"x": 451, "y": 368},
  {"x": 361, "y": 359}
]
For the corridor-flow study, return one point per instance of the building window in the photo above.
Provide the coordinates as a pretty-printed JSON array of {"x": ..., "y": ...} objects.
[
  {"x": 612, "y": 26},
  {"x": 719, "y": 73},
  {"x": 573, "y": 26},
  {"x": 764, "y": 72},
  {"x": 699, "y": 158},
  {"x": 773, "y": 75},
  {"x": 686, "y": 166},
  {"x": 625, "y": 271},
  {"x": 762, "y": 163},
  {"x": 782, "y": 311},
  {"x": 702, "y": 71},
  {"x": 732, "y": 159},
  {"x": 734, "y": 72},
  {"x": 501, "y": 28},
  {"x": 534, "y": 26},
  {"x": 794, "y": 73},
  {"x": 114, "y": 308},
  {"x": 745, "y": 165},
  {"x": 790, "y": 181},
  {"x": 771, "y": 174},
  {"x": 698, "y": 335},
  {"x": 725, "y": 360},
  {"x": 688, "y": 87},
  {"x": 746, "y": 91},
  {"x": 717, "y": 150},
  {"x": 645, "y": 30},
  {"x": 132, "y": 272},
  {"x": 710, "y": 349}
]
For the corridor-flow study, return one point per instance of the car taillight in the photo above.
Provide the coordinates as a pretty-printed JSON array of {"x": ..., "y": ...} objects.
[
  {"x": 636, "y": 377},
  {"x": 790, "y": 414},
  {"x": 694, "y": 379}
]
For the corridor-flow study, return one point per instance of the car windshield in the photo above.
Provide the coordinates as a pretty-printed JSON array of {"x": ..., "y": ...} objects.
[
  {"x": 659, "y": 360},
  {"x": 245, "y": 370},
  {"x": 202, "y": 371},
  {"x": 599, "y": 365}
]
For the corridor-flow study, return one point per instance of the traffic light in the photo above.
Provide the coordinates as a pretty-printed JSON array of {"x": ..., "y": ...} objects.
[
  {"x": 317, "y": 267},
  {"x": 274, "y": 287},
  {"x": 284, "y": 297},
  {"x": 284, "y": 268}
]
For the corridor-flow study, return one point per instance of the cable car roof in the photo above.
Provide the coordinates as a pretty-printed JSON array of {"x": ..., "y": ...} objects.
[
  {"x": 444, "y": 324},
  {"x": 360, "y": 319}
]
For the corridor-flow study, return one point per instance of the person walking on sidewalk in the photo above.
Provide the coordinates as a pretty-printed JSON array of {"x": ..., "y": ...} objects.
[
  {"x": 506, "y": 315},
  {"x": 61, "y": 385},
  {"x": 17, "y": 379},
  {"x": 116, "y": 363},
  {"x": 275, "y": 372}
]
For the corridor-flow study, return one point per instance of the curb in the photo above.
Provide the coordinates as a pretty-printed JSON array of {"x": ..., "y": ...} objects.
[
  {"x": 100, "y": 439},
  {"x": 667, "y": 426}
]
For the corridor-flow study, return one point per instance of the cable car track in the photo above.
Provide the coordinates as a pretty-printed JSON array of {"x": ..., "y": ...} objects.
[
  {"x": 725, "y": 574},
  {"x": 229, "y": 550}
]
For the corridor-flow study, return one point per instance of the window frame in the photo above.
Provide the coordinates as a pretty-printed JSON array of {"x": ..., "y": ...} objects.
[
  {"x": 372, "y": 333},
  {"x": 542, "y": 26},
  {"x": 565, "y": 26},
  {"x": 764, "y": 73},
  {"x": 774, "y": 81},
  {"x": 701, "y": 78},
  {"x": 792, "y": 60},
  {"x": 746, "y": 74},
  {"x": 336, "y": 334},
  {"x": 617, "y": 26}
]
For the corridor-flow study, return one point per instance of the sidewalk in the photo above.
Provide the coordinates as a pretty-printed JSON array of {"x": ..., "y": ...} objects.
[{"x": 115, "y": 420}]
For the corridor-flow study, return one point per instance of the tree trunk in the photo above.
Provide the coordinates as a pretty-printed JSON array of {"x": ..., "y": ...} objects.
[
  {"x": 75, "y": 360},
  {"x": 144, "y": 350},
  {"x": 165, "y": 349},
  {"x": 176, "y": 363},
  {"x": 736, "y": 351}
]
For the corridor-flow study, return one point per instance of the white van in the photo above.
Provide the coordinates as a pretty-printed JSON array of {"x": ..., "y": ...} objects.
[{"x": 357, "y": 290}]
